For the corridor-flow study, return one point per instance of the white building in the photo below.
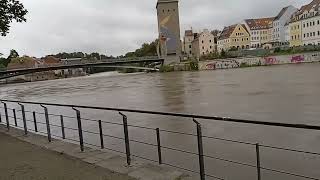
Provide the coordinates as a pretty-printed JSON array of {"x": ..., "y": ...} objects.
[
  {"x": 203, "y": 44},
  {"x": 279, "y": 30},
  {"x": 287, "y": 33},
  {"x": 187, "y": 42},
  {"x": 310, "y": 20},
  {"x": 260, "y": 31}
]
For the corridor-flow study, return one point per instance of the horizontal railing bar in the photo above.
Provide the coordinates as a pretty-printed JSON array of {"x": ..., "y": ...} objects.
[
  {"x": 288, "y": 149},
  {"x": 214, "y": 118},
  {"x": 212, "y": 176},
  {"x": 179, "y": 150},
  {"x": 209, "y": 137},
  {"x": 229, "y": 140},
  {"x": 230, "y": 161},
  {"x": 175, "y": 132},
  {"x": 144, "y": 158},
  {"x": 140, "y": 142},
  {"x": 289, "y": 173},
  {"x": 178, "y": 167}
]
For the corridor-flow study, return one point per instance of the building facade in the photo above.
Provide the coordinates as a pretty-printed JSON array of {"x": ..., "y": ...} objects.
[
  {"x": 187, "y": 43},
  {"x": 234, "y": 37},
  {"x": 310, "y": 21},
  {"x": 203, "y": 44},
  {"x": 169, "y": 30},
  {"x": 279, "y": 26},
  {"x": 260, "y": 31}
]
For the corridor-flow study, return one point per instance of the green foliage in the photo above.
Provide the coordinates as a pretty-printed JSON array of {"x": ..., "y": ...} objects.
[
  {"x": 95, "y": 55},
  {"x": 10, "y": 10},
  {"x": 145, "y": 50},
  {"x": 223, "y": 53},
  {"x": 166, "y": 68},
  {"x": 194, "y": 66}
]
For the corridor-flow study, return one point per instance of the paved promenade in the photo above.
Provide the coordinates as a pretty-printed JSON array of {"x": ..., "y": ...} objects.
[
  {"x": 32, "y": 157},
  {"x": 21, "y": 160}
]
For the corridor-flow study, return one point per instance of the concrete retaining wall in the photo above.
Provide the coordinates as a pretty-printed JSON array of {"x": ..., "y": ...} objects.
[{"x": 259, "y": 61}]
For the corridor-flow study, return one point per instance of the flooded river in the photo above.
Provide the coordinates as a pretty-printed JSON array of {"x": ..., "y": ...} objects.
[{"x": 284, "y": 93}]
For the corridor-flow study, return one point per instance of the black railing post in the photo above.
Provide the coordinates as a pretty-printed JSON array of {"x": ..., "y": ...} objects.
[
  {"x": 46, "y": 114},
  {"x": 15, "y": 117},
  {"x": 62, "y": 128},
  {"x": 6, "y": 115},
  {"x": 79, "y": 129},
  {"x": 258, "y": 161},
  {"x": 126, "y": 137},
  {"x": 200, "y": 150},
  {"x": 101, "y": 134},
  {"x": 159, "y": 145},
  {"x": 24, "y": 119},
  {"x": 35, "y": 121}
]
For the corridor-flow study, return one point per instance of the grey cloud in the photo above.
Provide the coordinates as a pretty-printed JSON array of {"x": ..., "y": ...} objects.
[{"x": 117, "y": 26}]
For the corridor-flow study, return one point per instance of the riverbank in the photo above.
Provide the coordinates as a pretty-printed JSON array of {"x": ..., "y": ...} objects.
[{"x": 32, "y": 157}]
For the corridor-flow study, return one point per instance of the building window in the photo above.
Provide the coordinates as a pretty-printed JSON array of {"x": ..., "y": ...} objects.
[
  {"x": 314, "y": 33},
  {"x": 304, "y": 25},
  {"x": 307, "y": 24},
  {"x": 318, "y": 22},
  {"x": 210, "y": 47},
  {"x": 304, "y": 35},
  {"x": 314, "y": 23},
  {"x": 190, "y": 52},
  {"x": 190, "y": 46},
  {"x": 318, "y": 33},
  {"x": 202, "y": 42},
  {"x": 210, "y": 40},
  {"x": 202, "y": 47}
]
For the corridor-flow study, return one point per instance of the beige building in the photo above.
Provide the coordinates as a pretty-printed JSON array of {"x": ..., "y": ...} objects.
[
  {"x": 234, "y": 37},
  {"x": 260, "y": 31},
  {"x": 187, "y": 42},
  {"x": 203, "y": 44}
]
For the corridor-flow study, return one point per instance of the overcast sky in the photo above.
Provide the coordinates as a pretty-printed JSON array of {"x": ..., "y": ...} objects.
[{"x": 114, "y": 27}]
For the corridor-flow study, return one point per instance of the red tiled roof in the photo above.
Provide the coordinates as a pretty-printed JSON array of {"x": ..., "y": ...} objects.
[
  {"x": 227, "y": 31},
  {"x": 258, "y": 24},
  {"x": 307, "y": 7}
]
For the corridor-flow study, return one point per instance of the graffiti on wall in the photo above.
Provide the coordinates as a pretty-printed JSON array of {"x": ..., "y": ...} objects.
[
  {"x": 211, "y": 66},
  {"x": 271, "y": 60},
  {"x": 297, "y": 59}
]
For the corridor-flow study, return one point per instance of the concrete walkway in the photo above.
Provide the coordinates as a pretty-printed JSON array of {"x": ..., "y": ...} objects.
[
  {"x": 32, "y": 157},
  {"x": 21, "y": 160}
]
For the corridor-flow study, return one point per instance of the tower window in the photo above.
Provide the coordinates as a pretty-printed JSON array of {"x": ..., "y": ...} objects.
[{"x": 168, "y": 10}]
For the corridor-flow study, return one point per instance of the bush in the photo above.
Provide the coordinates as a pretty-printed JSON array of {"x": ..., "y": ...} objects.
[
  {"x": 194, "y": 66},
  {"x": 166, "y": 68}
]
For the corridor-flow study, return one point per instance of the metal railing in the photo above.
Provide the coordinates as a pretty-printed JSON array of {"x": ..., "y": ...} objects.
[{"x": 5, "y": 119}]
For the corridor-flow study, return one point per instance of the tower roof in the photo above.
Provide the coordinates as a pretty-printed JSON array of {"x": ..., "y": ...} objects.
[{"x": 166, "y": 1}]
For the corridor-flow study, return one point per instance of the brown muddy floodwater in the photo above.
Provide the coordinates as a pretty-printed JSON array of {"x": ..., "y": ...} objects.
[{"x": 286, "y": 93}]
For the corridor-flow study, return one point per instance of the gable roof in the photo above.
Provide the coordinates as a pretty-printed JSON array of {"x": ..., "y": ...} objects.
[
  {"x": 227, "y": 31},
  {"x": 307, "y": 7},
  {"x": 258, "y": 24},
  {"x": 281, "y": 13},
  {"x": 188, "y": 33}
]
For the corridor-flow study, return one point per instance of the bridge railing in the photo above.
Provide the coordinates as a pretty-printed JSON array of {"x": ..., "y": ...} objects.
[{"x": 10, "y": 119}]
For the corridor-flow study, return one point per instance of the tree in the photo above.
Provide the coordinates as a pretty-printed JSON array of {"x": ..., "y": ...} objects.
[
  {"x": 13, "y": 54},
  {"x": 10, "y": 10}
]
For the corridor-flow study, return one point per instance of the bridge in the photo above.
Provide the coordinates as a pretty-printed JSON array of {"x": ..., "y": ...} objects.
[{"x": 112, "y": 63}]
